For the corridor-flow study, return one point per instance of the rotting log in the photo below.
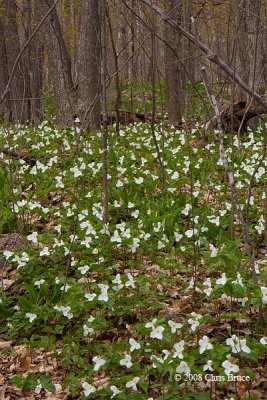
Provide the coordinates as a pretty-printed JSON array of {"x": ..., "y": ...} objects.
[{"x": 235, "y": 117}]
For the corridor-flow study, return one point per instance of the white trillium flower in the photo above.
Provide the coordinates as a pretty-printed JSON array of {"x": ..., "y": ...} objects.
[
  {"x": 132, "y": 384},
  {"x": 156, "y": 332},
  {"x": 174, "y": 326},
  {"x": 130, "y": 281},
  {"x": 126, "y": 361},
  {"x": 84, "y": 269},
  {"x": 45, "y": 252},
  {"x": 204, "y": 344},
  {"x": 134, "y": 345},
  {"x": 194, "y": 322},
  {"x": 33, "y": 237},
  {"x": 183, "y": 368},
  {"x": 222, "y": 281},
  {"x": 39, "y": 283},
  {"x": 88, "y": 389},
  {"x": 213, "y": 250},
  {"x": 208, "y": 366},
  {"x": 151, "y": 324},
  {"x": 114, "y": 391},
  {"x": 179, "y": 348},
  {"x": 99, "y": 362},
  {"x": 264, "y": 294},
  {"x": 31, "y": 317},
  {"x": 8, "y": 254},
  {"x": 90, "y": 296},
  {"x": 87, "y": 330},
  {"x": 229, "y": 365},
  {"x": 238, "y": 344},
  {"x": 38, "y": 389}
]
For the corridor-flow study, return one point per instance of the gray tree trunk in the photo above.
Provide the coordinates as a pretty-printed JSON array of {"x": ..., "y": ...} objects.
[
  {"x": 10, "y": 47},
  {"x": 250, "y": 48},
  {"x": 89, "y": 66},
  {"x": 173, "y": 69},
  {"x": 60, "y": 67}
]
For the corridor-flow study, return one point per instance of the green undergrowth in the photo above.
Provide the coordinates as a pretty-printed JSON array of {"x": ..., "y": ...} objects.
[{"x": 159, "y": 301}]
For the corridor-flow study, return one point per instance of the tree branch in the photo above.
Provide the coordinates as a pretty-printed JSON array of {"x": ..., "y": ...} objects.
[{"x": 210, "y": 55}]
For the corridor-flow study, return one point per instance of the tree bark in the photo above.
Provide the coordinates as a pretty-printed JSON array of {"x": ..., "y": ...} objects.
[
  {"x": 89, "y": 65},
  {"x": 60, "y": 68},
  {"x": 250, "y": 48},
  {"x": 10, "y": 48},
  {"x": 172, "y": 67}
]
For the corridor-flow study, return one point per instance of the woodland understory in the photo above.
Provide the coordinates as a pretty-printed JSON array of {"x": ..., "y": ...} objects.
[{"x": 133, "y": 200}]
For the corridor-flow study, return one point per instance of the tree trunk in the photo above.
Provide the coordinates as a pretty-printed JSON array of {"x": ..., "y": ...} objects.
[
  {"x": 60, "y": 68},
  {"x": 10, "y": 48},
  {"x": 173, "y": 70},
  {"x": 33, "y": 64},
  {"x": 250, "y": 48},
  {"x": 88, "y": 65}
]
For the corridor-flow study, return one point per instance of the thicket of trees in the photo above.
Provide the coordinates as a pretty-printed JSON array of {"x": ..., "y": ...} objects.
[{"x": 52, "y": 49}]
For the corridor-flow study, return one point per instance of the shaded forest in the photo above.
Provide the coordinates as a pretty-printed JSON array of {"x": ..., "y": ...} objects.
[{"x": 133, "y": 199}]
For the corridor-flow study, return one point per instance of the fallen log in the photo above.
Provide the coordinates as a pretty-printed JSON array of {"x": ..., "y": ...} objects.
[
  {"x": 128, "y": 117},
  {"x": 17, "y": 156},
  {"x": 235, "y": 117}
]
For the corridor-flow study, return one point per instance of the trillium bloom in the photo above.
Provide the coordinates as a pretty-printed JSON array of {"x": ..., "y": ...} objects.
[
  {"x": 174, "y": 326},
  {"x": 264, "y": 294},
  {"x": 208, "y": 288},
  {"x": 229, "y": 366},
  {"x": 126, "y": 361},
  {"x": 178, "y": 236},
  {"x": 208, "y": 366},
  {"x": 238, "y": 344},
  {"x": 31, "y": 316},
  {"x": 139, "y": 180},
  {"x": 134, "y": 345},
  {"x": 39, "y": 283},
  {"x": 90, "y": 296},
  {"x": 44, "y": 252},
  {"x": 114, "y": 391},
  {"x": 33, "y": 237},
  {"x": 151, "y": 324},
  {"x": 130, "y": 281},
  {"x": 213, "y": 250},
  {"x": 118, "y": 281},
  {"x": 38, "y": 389},
  {"x": 204, "y": 344},
  {"x": 179, "y": 348},
  {"x": 104, "y": 292},
  {"x": 8, "y": 254},
  {"x": 84, "y": 269},
  {"x": 156, "y": 332},
  {"x": 99, "y": 362},
  {"x": 132, "y": 384},
  {"x": 222, "y": 281},
  {"x": 65, "y": 311},
  {"x": 87, "y": 330},
  {"x": 263, "y": 340},
  {"x": 194, "y": 322},
  {"x": 88, "y": 389},
  {"x": 183, "y": 368}
]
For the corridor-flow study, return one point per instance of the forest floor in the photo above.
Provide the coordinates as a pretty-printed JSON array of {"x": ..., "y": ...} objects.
[{"x": 160, "y": 303}]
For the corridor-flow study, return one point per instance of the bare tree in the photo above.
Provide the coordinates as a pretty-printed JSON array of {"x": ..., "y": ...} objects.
[
  {"x": 88, "y": 65},
  {"x": 10, "y": 48},
  {"x": 173, "y": 68},
  {"x": 60, "y": 67}
]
